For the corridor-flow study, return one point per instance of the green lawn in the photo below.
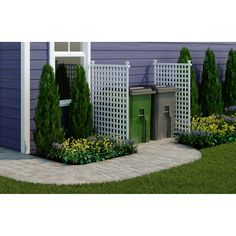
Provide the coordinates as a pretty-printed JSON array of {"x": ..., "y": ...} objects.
[{"x": 215, "y": 172}]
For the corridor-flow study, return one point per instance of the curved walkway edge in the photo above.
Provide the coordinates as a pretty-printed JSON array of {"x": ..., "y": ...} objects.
[{"x": 151, "y": 157}]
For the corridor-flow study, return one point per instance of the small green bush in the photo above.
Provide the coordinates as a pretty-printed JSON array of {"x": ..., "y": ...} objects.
[
  {"x": 210, "y": 92},
  {"x": 210, "y": 131},
  {"x": 80, "y": 110},
  {"x": 229, "y": 85},
  {"x": 183, "y": 58},
  {"x": 47, "y": 114},
  {"x": 201, "y": 139},
  {"x": 92, "y": 149}
]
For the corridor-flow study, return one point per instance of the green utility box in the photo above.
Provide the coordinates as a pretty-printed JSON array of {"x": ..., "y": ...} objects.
[{"x": 140, "y": 114}]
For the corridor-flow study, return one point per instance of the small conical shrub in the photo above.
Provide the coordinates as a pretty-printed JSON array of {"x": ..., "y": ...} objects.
[
  {"x": 229, "y": 86},
  {"x": 183, "y": 58},
  {"x": 80, "y": 111},
  {"x": 47, "y": 114},
  {"x": 211, "y": 98},
  {"x": 63, "y": 82}
]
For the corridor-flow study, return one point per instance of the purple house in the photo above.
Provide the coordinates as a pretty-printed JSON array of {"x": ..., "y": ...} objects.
[{"x": 21, "y": 64}]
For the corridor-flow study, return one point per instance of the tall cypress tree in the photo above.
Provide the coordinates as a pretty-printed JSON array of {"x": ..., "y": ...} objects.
[
  {"x": 211, "y": 98},
  {"x": 183, "y": 58},
  {"x": 229, "y": 86},
  {"x": 47, "y": 114},
  {"x": 80, "y": 112}
]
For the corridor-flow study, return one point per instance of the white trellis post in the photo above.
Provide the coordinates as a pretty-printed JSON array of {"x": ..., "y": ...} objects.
[
  {"x": 127, "y": 99},
  {"x": 178, "y": 75},
  {"x": 91, "y": 87},
  {"x": 189, "y": 97},
  {"x": 155, "y": 69},
  {"x": 110, "y": 99}
]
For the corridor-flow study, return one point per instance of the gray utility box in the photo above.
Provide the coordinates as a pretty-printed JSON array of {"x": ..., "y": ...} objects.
[{"x": 162, "y": 115}]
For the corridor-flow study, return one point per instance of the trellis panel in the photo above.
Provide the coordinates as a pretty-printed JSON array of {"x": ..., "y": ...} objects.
[
  {"x": 70, "y": 70},
  {"x": 178, "y": 75},
  {"x": 110, "y": 99}
]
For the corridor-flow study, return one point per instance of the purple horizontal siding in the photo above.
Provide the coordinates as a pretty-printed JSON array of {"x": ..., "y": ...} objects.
[
  {"x": 9, "y": 142},
  {"x": 141, "y": 55},
  {"x": 6, "y": 83},
  {"x": 11, "y": 112},
  {"x": 39, "y": 56},
  {"x": 9, "y": 103},
  {"x": 163, "y": 46},
  {"x": 10, "y": 75}
]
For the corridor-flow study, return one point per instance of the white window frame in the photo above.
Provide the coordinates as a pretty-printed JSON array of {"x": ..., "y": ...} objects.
[{"x": 85, "y": 53}]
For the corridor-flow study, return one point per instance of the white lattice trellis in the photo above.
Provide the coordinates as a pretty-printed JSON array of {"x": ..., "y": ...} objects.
[
  {"x": 110, "y": 99},
  {"x": 178, "y": 75}
]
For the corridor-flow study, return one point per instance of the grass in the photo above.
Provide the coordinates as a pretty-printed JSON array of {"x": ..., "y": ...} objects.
[{"x": 215, "y": 172}]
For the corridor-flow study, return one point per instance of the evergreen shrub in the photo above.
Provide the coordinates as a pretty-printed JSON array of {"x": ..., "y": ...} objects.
[
  {"x": 47, "y": 114},
  {"x": 80, "y": 111},
  {"x": 211, "y": 89},
  {"x": 229, "y": 86}
]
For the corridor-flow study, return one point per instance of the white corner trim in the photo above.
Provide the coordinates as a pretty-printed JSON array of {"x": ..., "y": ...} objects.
[
  {"x": 25, "y": 97},
  {"x": 52, "y": 55}
]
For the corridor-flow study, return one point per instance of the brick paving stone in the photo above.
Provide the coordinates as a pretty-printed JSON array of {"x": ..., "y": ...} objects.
[{"x": 151, "y": 157}]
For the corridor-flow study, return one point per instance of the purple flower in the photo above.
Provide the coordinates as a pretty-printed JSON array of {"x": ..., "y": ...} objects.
[
  {"x": 130, "y": 142},
  {"x": 200, "y": 133},
  {"x": 229, "y": 119},
  {"x": 230, "y": 109},
  {"x": 92, "y": 139},
  {"x": 56, "y": 146}
]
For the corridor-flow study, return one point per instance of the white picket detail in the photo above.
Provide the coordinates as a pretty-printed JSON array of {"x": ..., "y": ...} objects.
[
  {"x": 110, "y": 99},
  {"x": 178, "y": 75}
]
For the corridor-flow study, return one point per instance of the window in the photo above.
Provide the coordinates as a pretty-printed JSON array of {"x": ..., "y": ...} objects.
[
  {"x": 68, "y": 46},
  {"x": 64, "y": 58}
]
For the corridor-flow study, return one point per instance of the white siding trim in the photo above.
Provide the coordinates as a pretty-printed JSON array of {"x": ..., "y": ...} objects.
[
  {"x": 65, "y": 103},
  {"x": 25, "y": 97},
  {"x": 87, "y": 59},
  {"x": 69, "y": 54}
]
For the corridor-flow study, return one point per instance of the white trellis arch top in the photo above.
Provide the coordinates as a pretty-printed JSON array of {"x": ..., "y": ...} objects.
[
  {"x": 178, "y": 75},
  {"x": 110, "y": 99}
]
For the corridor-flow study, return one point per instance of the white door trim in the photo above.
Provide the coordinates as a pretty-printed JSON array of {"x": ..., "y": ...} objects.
[{"x": 25, "y": 97}]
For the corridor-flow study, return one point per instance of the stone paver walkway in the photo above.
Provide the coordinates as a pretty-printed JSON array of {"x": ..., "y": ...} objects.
[{"x": 151, "y": 157}]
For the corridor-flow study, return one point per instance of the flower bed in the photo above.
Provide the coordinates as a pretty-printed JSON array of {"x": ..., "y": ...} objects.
[
  {"x": 92, "y": 149},
  {"x": 210, "y": 131}
]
